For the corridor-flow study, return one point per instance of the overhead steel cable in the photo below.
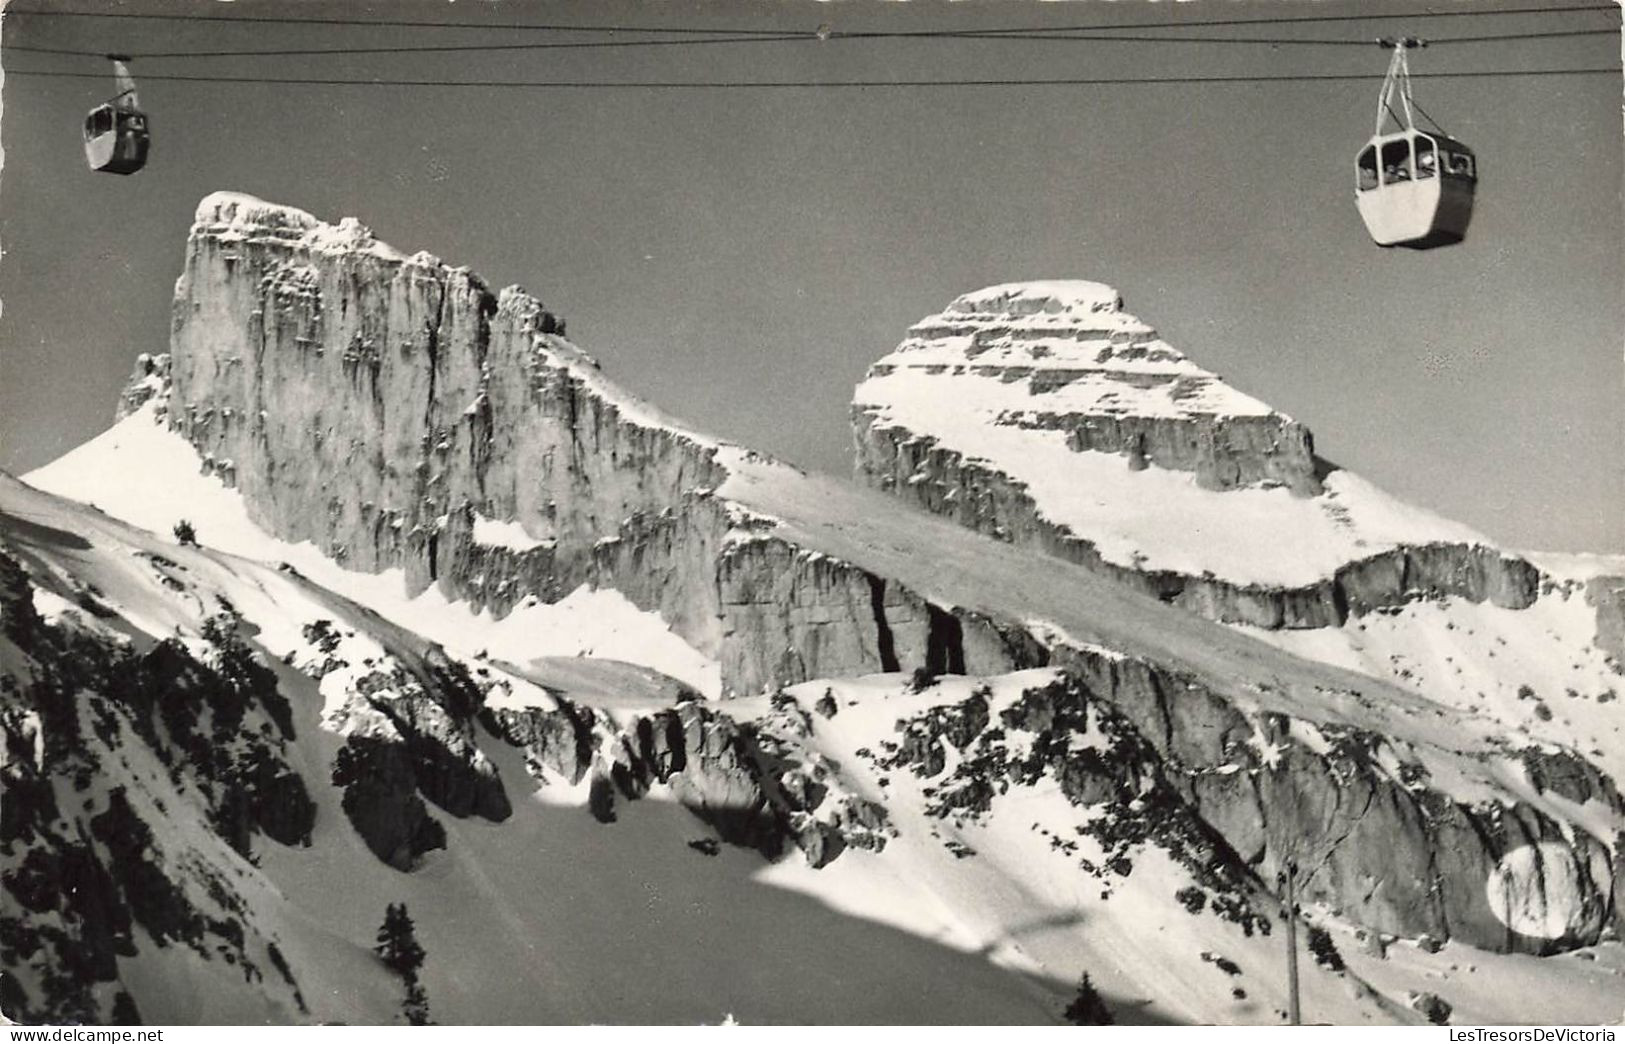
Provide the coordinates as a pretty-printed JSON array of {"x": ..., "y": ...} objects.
[
  {"x": 1507, "y": 37},
  {"x": 1475, "y": 11},
  {"x": 1279, "y": 40},
  {"x": 1288, "y": 20},
  {"x": 1078, "y": 81},
  {"x": 283, "y": 52},
  {"x": 390, "y": 23}
]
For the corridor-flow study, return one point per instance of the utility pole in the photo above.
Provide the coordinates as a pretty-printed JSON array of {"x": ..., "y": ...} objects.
[{"x": 1288, "y": 881}]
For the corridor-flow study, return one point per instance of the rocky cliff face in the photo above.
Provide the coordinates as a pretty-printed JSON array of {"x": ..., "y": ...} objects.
[
  {"x": 1607, "y": 595},
  {"x": 457, "y": 436},
  {"x": 1041, "y": 413},
  {"x": 1387, "y": 842},
  {"x": 383, "y": 406}
]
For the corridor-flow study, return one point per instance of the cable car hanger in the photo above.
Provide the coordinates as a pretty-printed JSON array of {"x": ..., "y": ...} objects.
[
  {"x": 117, "y": 134},
  {"x": 1413, "y": 188},
  {"x": 1396, "y": 82}
]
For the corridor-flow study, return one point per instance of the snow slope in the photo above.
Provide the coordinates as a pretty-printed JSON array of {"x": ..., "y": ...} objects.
[
  {"x": 549, "y": 916},
  {"x": 1021, "y": 900}
]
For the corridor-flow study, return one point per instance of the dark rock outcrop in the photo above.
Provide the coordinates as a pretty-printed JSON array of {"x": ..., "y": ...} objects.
[{"x": 1395, "y": 854}]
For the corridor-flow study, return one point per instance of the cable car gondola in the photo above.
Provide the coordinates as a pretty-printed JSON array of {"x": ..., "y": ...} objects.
[
  {"x": 116, "y": 132},
  {"x": 1414, "y": 188}
]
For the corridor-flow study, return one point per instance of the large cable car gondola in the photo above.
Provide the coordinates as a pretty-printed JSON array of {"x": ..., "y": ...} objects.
[
  {"x": 117, "y": 135},
  {"x": 1414, "y": 188}
]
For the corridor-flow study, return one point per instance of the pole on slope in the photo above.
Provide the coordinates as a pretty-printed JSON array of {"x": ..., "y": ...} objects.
[{"x": 1288, "y": 881}]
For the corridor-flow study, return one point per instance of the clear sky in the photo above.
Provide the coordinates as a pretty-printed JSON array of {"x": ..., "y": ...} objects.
[{"x": 741, "y": 256}]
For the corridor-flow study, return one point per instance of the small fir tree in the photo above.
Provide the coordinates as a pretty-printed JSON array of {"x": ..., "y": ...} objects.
[
  {"x": 124, "y": 1010},
  {"x": 399, "y": 948},
  {"x": 398, "y": 943},
  {"x": 1087, "y": 1008}
]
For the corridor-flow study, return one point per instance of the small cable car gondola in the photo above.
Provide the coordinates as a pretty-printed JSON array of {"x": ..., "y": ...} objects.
[
  {"x": 117, "y": 135},
  {"x": 1414, "y": 188}
]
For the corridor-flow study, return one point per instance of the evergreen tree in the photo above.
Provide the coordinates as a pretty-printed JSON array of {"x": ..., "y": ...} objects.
[
  {"x": 1087, "y": 1009},
  {"x": 1324, "y": 950},
  {"x": 185, "y": 535},
  {"x": 401, "y": 953},
  {"x": 398, "y": 943}
]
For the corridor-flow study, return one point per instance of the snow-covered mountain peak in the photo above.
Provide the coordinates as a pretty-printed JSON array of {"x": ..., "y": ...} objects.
[
  {"x": 1055, "y": 354},
  {"x": 1044, "y": 414}
]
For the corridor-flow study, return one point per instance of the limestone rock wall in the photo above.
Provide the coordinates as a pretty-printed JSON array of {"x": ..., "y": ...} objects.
[
  {"x": 968, "y": 418},
  {"x": 1105, "y": 379},
  {"x": 919, "y": 470},
  {"x": 375, "y": 404},
  {"x": 382, "y": 406},
  {"x": 1385, "y": 845}
]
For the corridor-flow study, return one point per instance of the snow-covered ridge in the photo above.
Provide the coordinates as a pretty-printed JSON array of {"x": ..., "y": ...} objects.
[
  {"x": 553, "y": 348},
  {"x": 239, "y": 211}
]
